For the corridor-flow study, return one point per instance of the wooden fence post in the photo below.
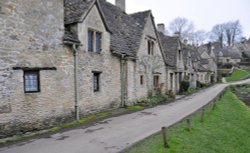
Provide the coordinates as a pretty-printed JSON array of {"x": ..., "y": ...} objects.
[
  {"x": 165, "y": 140},
  {"x": 214, "y": 105},
  {"x": 202, "y": 114},
  {"x": 189, "y": 124}
]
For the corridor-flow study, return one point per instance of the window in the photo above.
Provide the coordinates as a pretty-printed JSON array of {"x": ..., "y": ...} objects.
[
  {"x": 150, "y": 47},
  {"x": 94, "y": 41},
  {"x": 98, "y": 42},
  {"x": 179, "y": 54},
  {"x": 90, "y": 41},
  {"x": 96, "y": 81},
  {"x": 141, "y": 80},
  {"x": 156, "y": 81},
  {"x": 31, "y": 81}
]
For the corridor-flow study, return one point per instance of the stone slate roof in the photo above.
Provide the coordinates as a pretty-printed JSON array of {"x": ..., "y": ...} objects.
[
  {"x": 70, "y": 37},
  {"x": 202, "y": 69},
  {"x": 170, "y": 47},
  {"x": 75, "y": 9},
  {"x": 141, "y": 17},
  {"x": 126, "y": 30},
  {"x": 196, "y": 57},
  {"x": 234, "y": 54},
  {"x": 204, "y": 61}
]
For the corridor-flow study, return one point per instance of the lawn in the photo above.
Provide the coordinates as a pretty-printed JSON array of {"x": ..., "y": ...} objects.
[
  {"x": 224, "y": 130},
  {"x": 238, "y": 74}
]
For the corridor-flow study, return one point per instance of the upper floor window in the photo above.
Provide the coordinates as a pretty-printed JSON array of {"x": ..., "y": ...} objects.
[
  {"x": 94, "y": 41},
  {"x": 179, "y": 54},
  {"x": 31, "y": 81},
  {"x": 150, "y": 47}
]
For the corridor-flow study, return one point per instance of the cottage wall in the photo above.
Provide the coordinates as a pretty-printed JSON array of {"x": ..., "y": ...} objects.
[
  {"x": 31, "y": 36},
  {"x": 107, "y": 64},
  {"x": 146, "y": 67}
]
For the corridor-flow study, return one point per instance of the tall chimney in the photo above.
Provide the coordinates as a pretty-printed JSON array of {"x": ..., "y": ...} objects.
[
  {"x": 161, "y": 27},
  {"x": 121, "y": 4}
]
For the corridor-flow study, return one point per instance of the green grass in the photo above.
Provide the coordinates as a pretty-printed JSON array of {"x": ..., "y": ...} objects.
[
  {"x": 224, "y": 130},
  {"x": 238, "y": 74}
]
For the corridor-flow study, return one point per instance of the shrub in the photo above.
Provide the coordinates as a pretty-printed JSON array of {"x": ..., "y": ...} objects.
[
  {"x": 184, "y": 85},
  {"x": 152, "y": 100},
  {"x": 201, "y": 85}
]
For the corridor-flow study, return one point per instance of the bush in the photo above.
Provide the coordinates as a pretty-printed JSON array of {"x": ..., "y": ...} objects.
[
  {"x": 201, "y": 85},
  {"x": 152, "y": 100},
  {"x": 184, "y": 85}
]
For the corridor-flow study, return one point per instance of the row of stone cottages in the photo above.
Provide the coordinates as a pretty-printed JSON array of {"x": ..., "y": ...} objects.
[{"x": 61, "y": 59}]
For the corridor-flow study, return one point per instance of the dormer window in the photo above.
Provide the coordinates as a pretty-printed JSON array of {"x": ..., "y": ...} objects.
[
  {"x": 94, "y": 41},
  {"x": 150, "y": 47}
]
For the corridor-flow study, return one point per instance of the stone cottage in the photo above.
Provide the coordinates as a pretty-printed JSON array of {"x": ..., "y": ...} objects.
[
  {"x": 190, "y": 71},
  {"x": 208, "y": 60},
  {"x": 173, "y": 56},
  {"x": 62, "y": 59},
  {"x": 36, "y": 69}
]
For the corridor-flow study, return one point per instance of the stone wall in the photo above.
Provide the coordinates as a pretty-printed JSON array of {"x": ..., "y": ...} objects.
[
  {"x": 31, "y": 36},
  {"x": 146, "y": 66},
  {"x": 107, "y": 64}
]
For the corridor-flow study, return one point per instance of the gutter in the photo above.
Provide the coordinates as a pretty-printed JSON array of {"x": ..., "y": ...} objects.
[
  {"x": 123, "y": 85},
  {"x": 75, "y": 54}
]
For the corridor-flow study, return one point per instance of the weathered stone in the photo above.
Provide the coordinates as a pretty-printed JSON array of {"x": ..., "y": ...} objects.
[{"x": 5, "y": 109}]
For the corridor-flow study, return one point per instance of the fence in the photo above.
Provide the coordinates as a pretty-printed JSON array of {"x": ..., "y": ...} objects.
[{"x": 202, "y": 111}]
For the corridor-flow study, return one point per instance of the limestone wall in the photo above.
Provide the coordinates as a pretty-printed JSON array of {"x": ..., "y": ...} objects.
[
  {"x": 107, "y": 64},
  {"x": 146, "y": 66},
  {"x": 31, "y": 35}
]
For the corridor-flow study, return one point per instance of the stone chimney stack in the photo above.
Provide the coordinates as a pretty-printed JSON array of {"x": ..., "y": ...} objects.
[
  {"x": 177, "y": 34},
  {"x": 121, "y": 4},
  {"x": 161, "y": 27}
]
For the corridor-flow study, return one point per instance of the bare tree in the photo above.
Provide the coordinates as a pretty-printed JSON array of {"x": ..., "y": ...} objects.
[
  {"x": 227, "y": 33},
  {"x": 233, "y": 32},
  {"x": 198, "y": 37},
  {"x": 182, "y": 26},
  {"x": 217, "y": 33}
]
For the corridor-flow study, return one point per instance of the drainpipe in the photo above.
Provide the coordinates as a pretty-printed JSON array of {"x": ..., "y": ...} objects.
[
  {"x": 123, "y": 85},
  {"x": 75, "y": 53}
]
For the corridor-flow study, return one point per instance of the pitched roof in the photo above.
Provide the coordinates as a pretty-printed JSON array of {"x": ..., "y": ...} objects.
[
  {"x": 75, "y": 9},
  {"x": 126, "y": 30},
  {"x": 170, "y": 47},
  {"x": 141, "y": 17},
  {"x": 70, "y": 37},
  {"x": 202, "y": 69}
]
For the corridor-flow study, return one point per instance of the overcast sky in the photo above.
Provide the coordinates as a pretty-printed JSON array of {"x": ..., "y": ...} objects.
[{"x": 204, "y": 13}]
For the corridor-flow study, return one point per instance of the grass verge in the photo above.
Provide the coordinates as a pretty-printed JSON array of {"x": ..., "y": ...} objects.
[
  {"x": 224, "y": 130},
  {"x": 238, "y": 74}
]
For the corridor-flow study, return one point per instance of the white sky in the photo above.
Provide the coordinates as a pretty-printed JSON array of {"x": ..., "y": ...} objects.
[{"x": 204, "y": 13}]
